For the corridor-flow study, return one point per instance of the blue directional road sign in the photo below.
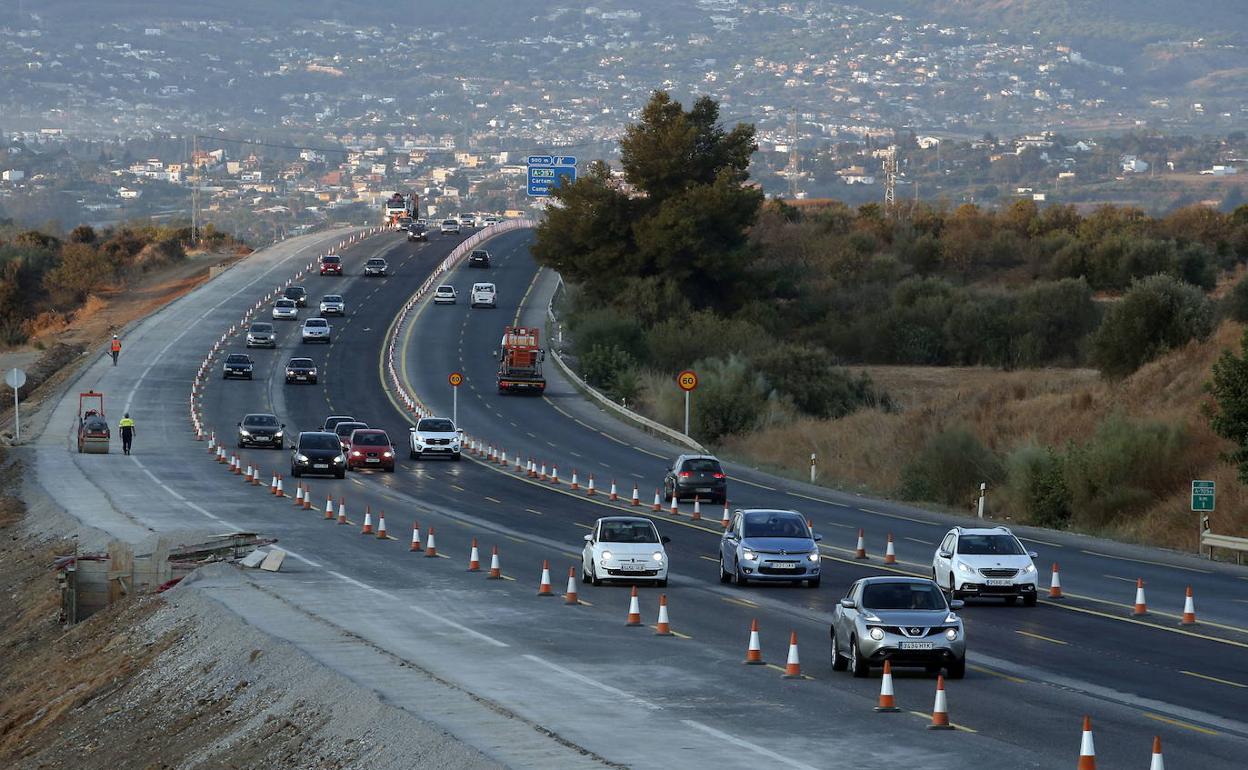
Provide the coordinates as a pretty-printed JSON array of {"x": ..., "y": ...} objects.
[{"x": 547, "y": 172}]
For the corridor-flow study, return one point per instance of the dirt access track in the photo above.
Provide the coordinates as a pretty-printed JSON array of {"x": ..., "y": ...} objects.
[{"x": 182, "y": 679}]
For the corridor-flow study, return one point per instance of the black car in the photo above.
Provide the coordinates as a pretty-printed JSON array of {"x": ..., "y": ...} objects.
[
  {"x": 479, "y": 258},
  {"x": 237, "y": 365},
  {"x": 698, "y": 476},
  {"x": 317, "y": 453},
  {"x": 376, "y": 266},
  {"x": 344, "y": 429},
  {"x": 301, "y": 370},
  {"x": 297, "y": 294},
  {"x": 417, "y": 232},
  {"x": 261, "y": 430}
]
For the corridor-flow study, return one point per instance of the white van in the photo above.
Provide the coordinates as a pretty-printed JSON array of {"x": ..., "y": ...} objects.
[{"x": 483, "y": 295}]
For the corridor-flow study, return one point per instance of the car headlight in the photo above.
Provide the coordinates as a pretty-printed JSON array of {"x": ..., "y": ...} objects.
[
  {"x": 355, "y": 453},
  {"x": 387, "y": 454},
  {"x": 951, "y": 634},
  {"x": 290, "y": 372},
  {"x": 813, "y": 555},
  {"x": 1029, "y": 569},
  {"x": 301, "y": 458},
  {"x": 657, "y": 556},
  {"x": 607, "y": 556},
  {"x": 876, "y": 633},
  {"x": 277, "y": 435},
  {"x": 338, "y": 459},
  {"x": 964, "y": 567},
  {"x": 244, "y": 433},
  {"x": 749, "y": 556}
]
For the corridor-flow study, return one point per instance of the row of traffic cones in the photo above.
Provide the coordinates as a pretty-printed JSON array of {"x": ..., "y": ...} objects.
[
  {"x": 1140, "y": 607},
  {"x": 1087, "y": 750}
]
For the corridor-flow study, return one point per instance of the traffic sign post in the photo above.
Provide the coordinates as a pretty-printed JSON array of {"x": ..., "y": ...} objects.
[
  {"x": 16, "y": 378},
  {"x": 456, "y": 379},
  {"x": 1203, "y": 495},
  {"x": 687, "y": 381},
  {"x": 549, "y": 172}
]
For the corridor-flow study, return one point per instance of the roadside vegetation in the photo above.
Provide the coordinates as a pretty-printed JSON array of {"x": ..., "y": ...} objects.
[{"x": 1082, "y": 340}]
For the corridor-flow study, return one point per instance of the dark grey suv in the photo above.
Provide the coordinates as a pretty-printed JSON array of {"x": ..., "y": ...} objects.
[
  {"x": 696, "y": 476},
  {"x": 317, "y": 452}
]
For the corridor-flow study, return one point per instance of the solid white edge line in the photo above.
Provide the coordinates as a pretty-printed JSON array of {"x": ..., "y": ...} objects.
[
  {"x": 734, "y": 740},
  {"x": 595, "y": 683}
]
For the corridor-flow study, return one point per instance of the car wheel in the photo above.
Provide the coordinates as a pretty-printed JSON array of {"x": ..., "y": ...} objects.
[
  {"x": 593, "y": 576},
  {"x": 737, "y": 577},
  {"x": 294, "y": 472},
  {"x": 661, "y": 583},
  {"x": 456, "y": 457},
  {"x": 813, "y": 583},
  {"x": 1011, "y": 600},
  {"x": 241, "y": 445},
  {"x": 280, "y": 447},
  {"x": 957, "y": 669},
  {"x": 839, "y": 661},
  {"x": 858, "y": 665},
  {"x": 585, "y": 578},
  {"x": 1030, "y": 600},
  {"x": 724, "y": 577},
  {"x": 390, "y": 469},
  {"x": 953, "y": 593},
  {"x": 412, "y": 454}
]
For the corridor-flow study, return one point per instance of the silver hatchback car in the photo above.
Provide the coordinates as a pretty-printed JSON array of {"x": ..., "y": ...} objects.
[
  {"x": 769, "y": 546},
  {"x": 903, "y": 620}
]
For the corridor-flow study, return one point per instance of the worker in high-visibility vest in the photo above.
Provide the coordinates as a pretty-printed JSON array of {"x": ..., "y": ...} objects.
[
  {"x": 127, "y": 433},
  {"x": 114, "y": 348}
]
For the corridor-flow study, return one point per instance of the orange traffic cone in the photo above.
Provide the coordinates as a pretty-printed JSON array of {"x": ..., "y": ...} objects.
[
  {"x": 697, "y": 509},
  {"x": 575, "y": 484},
  {"x": 636, "y": 499},
  {"x": 792, "y": 668},
  {"x": 474, "y": 558},
  {"x": 554, "y": 474},
  {"x": 725, "y": 520},
  {"x": 329, "y": 508},
  {"x": 1055, "y": 584},
  {"x": 431, "y": 545},
  {"x": 544, "y": 588},
  {"x": 368, "y": 521},
  {"x": 1157, "y": 763},
  {"x": 662, "y": 627},
  {"x": 570, "y": 597},
  {"x": 887, "y": 702},
  {"x": 1189, "y": 609},
  {"x": 543, "y": 476},
  {"x": 307, "y": 498},
  {"x": 754, "y": 653},
  {"x": 1087, "y": 749},
  {"x": 634, "y": 610},
  {"x": 299, "y": 495},
  {"x": 657, "y": 505},
  {"x": 342, "y": 510},
  {"x": 281, "y": 486},
  {"x": 674, "y": 510},
  {"x": 1141, "y": 606},
  {"x": 860, "y": 552},
  {"x": 381, "y": 525},
  {"x": 247, "y": 474},
  {"x": 273, "y": 485},
  {"x": 940, "y": 709},
  {"x": 496, "y": 570},
  {"x": 890, "y": 555},
  {"x": 590, "y": 490},
  {"x": 613, "y": 495},
  {"x": 415, "y": 546}
]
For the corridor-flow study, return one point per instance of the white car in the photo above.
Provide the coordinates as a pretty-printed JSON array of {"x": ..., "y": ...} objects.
[
  {"x": 449, "y": 227},
  {"x": 985, "y": 562},
  {"x": 434, "y": 436},
  {"x": 332, "y": 304},
  {"x": 483, "y": 295},
  {"x": 489, "y": 222},
  {"x": 467, "y": 220},
  {"x": 316, "y": 330},
  {"x": 445, "y": 295},
  {"x": 626, "y": 548},
  {"x": 285, "y": 310}
]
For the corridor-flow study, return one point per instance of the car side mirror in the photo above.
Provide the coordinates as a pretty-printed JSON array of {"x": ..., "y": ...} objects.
[
  {"x": 1033, "y": 554},
  {"x": 945, "y": 554},
  {"x": 460, "y": 431},
  {"x": 283, "y": 425},
  {"x": 956, "y": 605},
  {"x": 818, "y": 538},
  {"x": 589, "y": 538},
  {"x": 240, "y": 425},
  {"x": 849, "y": 604},
  {"x": 665, "y": 539}
]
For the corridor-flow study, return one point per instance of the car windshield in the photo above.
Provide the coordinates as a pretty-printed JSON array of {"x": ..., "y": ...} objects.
[
  {"x": 316, "y": 322},
  {"x": 371, "y": 439},
  {"x": 485, "y": 287},
  {"x": 332, "y": 298},
  {"x": 375, "y": 262},
  {"x": 701, "y": 465},
  {"x": 284, "y": 303},
  {"x": 319, "y": 441},
  {"x": 445, "y": 290},
  {"x": 436, "y": 426},
  {"x": 345, "y": 429},
  {"x": 329, "y": 260},
  {"x": 902, "y": 596},
  {"x": 262, "y": 327},
  {"x": 237, "y": 358},
  {"x": 480, "y": 254},
  {"x": 995, "y": 545},
  {"x": 775, "y": 525},
  {"x": 627, "y": 532},
  {"x": 449, "y": 222},
  {"x": 295, "y": 291},
  {"x": 260, "y": 420},
  {"x": 300, "y": 362}
]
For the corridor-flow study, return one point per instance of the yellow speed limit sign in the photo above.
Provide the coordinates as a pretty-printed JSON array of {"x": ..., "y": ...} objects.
[
  {"x": 687, "y": 380},
  {"x": 456, "y": 379}
]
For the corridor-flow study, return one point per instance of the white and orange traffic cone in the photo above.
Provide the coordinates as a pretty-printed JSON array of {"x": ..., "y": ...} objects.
[
  {"x": 792, "y": 666},
  {"x": 575, "y": 485},
  {"x": 255, "y": 477},
  {"x": 1055, "y": 584},
  {"x": 657, "y": 505},
  {"x": 342, "y": 510},
  {"x": 860, "y": 551},
  {"x": 754, "y": 652},
  {"x": 415, "y": 546},
  {"x": 532, "y": 469},
  {"x": 281, "y": 486},
  {"x": 1141, "y": 606},
  {"x": 298, "y": 496},
  {"x": 329, "y": 508},
  {"x": 613, "y": 495},
  {"x": 674, "y": 510},
  {"x": 543, "y": 589},
  {"x": 940, "y": 709},
  {"x": 590, "y": 490},
  {"x": 890, "y": 555},
  {"x": 1189, "y": 609},
  {"x": 634, "y": 609},
  {"x": 544, "y": 476},
  {"x": 519, "y": 468},
  {"x": 381, "y": 525},
  {"x": 663, "y": 626},
  {"x": 887, "y": 702},
  {"x": 307, "y": 498},
  {"x": 697, "y": 509},
  {"x": 1087, "y": 749},
  {"x": 273, "y": 485},
  {"x": 474, "y": 558},
  {"x": 496, "y": 569},
  {"x": 1157, "y": 763},
  {"x": 636, "y": 497},
  {"x": 431, "y": 544},
  {"x": 570, "y": 597},
  {"x": 247, "y": 474},
  {"x": 725, "y": 520},
  {"x": 367, "y": 529}
]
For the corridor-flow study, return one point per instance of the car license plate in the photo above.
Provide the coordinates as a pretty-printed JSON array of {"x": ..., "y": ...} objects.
[
  {"x": 372, "y": 460},
  {"x": 704, "y": 489},
  {"x": 631, "y": 567},
  {"x": 301, "y": 377},
  {"x": 998, "y": 582},
  {"x": 914, "y": 645},
  {"x": 259, "y": 438},
  {"x": 782, "y": 565},
  {"x": 320, "y": 465}
]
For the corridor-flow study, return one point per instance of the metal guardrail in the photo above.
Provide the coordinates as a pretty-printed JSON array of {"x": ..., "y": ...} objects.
[
  {"x": 645, "y": 423},
  {"x": 1229, "y": 542}
]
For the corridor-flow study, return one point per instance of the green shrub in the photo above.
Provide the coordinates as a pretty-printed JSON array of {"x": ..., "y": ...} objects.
[
  {"x": 1052, "y": 321},
  {"x": 816, "y": 384},
  {"x": 676, "y": 343},
  {"x": 731, "y": 398},
  {"x": 607, "y": 327},
  {"x": 1036, "y": 484},
  {"x": 950, "y": 468},
  {"x": 1157, "y": 314},
  {"x": 602, "y": 365},
  {"x": 1237, "y": 301}
]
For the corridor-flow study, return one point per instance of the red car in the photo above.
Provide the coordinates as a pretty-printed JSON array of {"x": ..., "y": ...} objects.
[
  {"x": 370, "y": 448},
  {"x": 331, "y": 264}
]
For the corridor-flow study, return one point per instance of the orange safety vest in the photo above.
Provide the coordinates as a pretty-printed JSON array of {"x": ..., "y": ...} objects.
[{"x": 116, "y": 346}]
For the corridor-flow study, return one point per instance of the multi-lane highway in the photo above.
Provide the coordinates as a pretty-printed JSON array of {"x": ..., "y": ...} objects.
[{"x": 616, "y": 694}]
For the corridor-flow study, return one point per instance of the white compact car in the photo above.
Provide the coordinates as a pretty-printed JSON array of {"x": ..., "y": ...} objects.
[
  {"x": 316, "y": 330},
  {"x": 285, "y": 310},
  {"x": 449, "y": 227},
  {"x": 626, "y": 548},
  {"x": 489, "y": 222},
  {"x": 434, "y": 436},
  {"x": 445, "y": 295},
  {"x": 467, "y": 220},
  {"x": 483, "y": 295},
  {"x": 332, "y": 304},
  {"x": 985, "y": 562}
]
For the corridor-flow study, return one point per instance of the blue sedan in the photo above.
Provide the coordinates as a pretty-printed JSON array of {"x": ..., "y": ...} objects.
[{"x": 769, "y": 545}]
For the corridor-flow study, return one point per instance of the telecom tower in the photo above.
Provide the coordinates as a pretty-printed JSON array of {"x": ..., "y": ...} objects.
[
  {"x": 790, "y": 170},
  {"x": 890, "y": 179},
  {"x": 194, "y": 177}
]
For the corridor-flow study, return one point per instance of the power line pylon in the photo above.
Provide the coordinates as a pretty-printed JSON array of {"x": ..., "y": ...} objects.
[{"x": 890, "y": 180}]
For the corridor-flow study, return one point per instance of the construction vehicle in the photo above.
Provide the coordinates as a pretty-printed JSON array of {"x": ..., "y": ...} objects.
[
  {"x": 93, "y": 432},
  {"x": 399, "y": 208},
  {"x": 520, "y": 359}
]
